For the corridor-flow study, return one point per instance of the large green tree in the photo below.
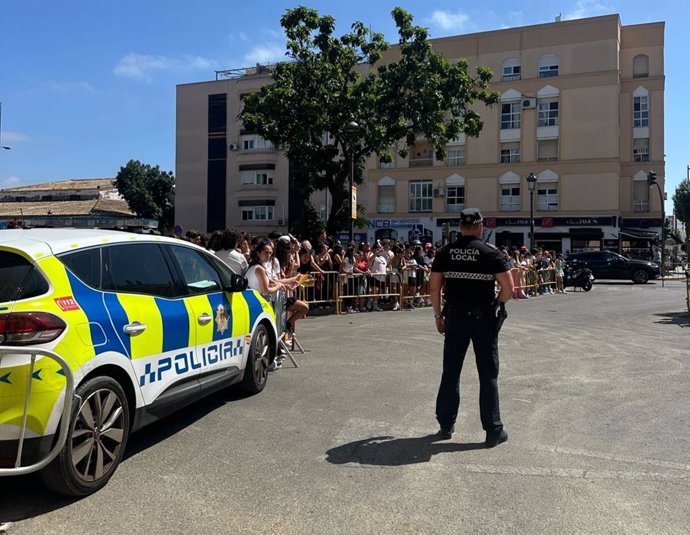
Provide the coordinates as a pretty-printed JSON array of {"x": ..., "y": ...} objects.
[
  {"x": 681, "y": 208},
  {"x": 338, "y": 101},
  {"x": 149, "y": 192}
]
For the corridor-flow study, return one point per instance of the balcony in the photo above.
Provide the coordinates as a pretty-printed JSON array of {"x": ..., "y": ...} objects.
[
  {"x": 455, "y": 208},
  {"x": 421, "y": 162},
  {"x": 386, "y": 207}
]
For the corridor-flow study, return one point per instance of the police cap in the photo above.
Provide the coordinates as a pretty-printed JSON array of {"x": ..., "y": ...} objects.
[{"x": 471, "y": 216}]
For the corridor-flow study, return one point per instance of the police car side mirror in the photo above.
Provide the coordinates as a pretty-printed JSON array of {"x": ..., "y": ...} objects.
[{"x": 238, "y": 283}]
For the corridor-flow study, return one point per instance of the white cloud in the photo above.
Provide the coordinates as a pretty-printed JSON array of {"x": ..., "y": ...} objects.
[
  {"x": 71, "y": 87},
  {"x": 265, "y": 54},
  {"x": 10, "y": 182},
  {"x": 13, "y": 137},
  {"x": 587, "y": 8},
  {"x": 143, "y": 66},
  {"x": 456, "y": 22}
]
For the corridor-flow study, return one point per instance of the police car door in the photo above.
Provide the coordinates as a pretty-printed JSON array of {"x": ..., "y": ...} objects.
[
  {"x": 148, "y": 312},
  {"x": 222, "y": 320}
]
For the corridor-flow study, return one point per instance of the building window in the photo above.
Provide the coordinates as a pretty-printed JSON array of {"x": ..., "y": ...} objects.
[
  {"x": 255, "y": 142},
  {"x": 259, "y": 177},
  {"x": 455, "y": 198},
  {"x": 640, "y": 196},
  {"x": 548, "y": 66},
  {"x": 641, "y": 66},
  {"x": 641, "y": 111},
  {"x": 547, "y": 196},
  {"x": 421, "y": 192},
  {"x": 510, "y": 70},
  {"x": 548, "y": 112},
  {"x": 510, "y": 115},
  {"x": 641, "y": 150},
  {"x": 547, "y": 149},
  {"x": 257, "y": 213},
  {"x": 510, "y": 198},
  {"x": 386, "y": 199},
  {"x": 510, "y": 152},
  {"x": 456, "y": 157}
]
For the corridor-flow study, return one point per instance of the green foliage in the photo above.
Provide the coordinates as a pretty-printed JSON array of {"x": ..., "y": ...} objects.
[
  {"x": 338, "y": 101},
  {"x": 149, "y": 192},
  {"x": 681, "y": 202},
  {"x": 309, "y": 225}
]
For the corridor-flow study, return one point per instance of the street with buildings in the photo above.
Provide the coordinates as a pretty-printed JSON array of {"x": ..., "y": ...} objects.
[{"x": 593, "y": 393}]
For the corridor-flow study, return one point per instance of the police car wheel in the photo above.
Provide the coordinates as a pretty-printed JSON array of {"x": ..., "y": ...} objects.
[
  {"x": 96, "y": 441},
  {"x": 256, "y": 371}
]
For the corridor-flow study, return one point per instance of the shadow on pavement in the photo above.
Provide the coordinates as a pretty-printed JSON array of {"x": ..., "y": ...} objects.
[
  {"x": 391, "y": 451},
  {"x": 26, "y": 497},
  {"x": 681, "y": 319}
]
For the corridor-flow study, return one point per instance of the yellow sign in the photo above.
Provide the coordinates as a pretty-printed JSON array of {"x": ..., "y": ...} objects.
[{"x": 353, "y": 202}]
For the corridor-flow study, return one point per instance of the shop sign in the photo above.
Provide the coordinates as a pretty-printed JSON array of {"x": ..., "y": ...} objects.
[{"x": 390, "y": 223}]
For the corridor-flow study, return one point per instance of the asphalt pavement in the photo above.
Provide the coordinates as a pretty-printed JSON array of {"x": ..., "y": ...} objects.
[{"x": 594, "y": 393}]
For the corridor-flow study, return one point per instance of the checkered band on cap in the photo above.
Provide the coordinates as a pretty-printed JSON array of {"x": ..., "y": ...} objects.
[{"x": 471, "y": 216}]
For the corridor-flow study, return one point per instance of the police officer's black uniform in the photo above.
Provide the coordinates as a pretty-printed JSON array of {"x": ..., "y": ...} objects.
[{"x": 469, "y": 267}]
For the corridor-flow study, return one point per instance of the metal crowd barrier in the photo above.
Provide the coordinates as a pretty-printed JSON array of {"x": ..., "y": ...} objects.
[
  {"x": 18, "y": 469},
  {"x": 530, "y": 280},
  {"x": 322, "y": 289}
]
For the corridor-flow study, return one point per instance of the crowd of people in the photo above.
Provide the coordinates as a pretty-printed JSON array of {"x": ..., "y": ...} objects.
[
  {"x": 365, "y": 276},
  {"x": 535, "y": 272}
]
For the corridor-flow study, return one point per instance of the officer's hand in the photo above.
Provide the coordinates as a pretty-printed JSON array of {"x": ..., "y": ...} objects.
[{"x": 440, "y": 325}]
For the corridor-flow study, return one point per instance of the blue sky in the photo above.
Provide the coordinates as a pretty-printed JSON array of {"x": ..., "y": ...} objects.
[{"x": 88, "y": 85}]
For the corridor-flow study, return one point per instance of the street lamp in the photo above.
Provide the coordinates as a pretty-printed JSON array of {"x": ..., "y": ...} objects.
[
  {"x": 651, "y": 181},
  {"x": 352, "y": 126},
  {"x": 531, "y": 183}
]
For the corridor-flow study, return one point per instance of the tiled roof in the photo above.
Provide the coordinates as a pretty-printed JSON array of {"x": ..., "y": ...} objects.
[
  {"x": 64, "y": 208},
  {"x": 71, "y": 184}
]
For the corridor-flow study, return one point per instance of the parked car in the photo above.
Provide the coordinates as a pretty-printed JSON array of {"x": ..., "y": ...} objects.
[
  {"x": 136, "y": 326},
  {"x": 610, "y": 265}
]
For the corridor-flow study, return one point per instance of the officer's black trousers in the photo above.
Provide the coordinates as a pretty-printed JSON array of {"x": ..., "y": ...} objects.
[{"x": 460, "y": 329}]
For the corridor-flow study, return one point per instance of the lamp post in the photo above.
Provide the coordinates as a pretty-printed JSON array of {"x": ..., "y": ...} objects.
[
  {"x": 4, "y": 147},
  {"x": 352, "y": 126},
  {"x": 531, "y": 183},
  {"x": 651, "y": 180}
]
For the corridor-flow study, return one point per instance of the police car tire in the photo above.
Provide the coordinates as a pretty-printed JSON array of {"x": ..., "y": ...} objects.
[
  {"x": 61, "y": 476},
  {"x": 258, "y": 361}
]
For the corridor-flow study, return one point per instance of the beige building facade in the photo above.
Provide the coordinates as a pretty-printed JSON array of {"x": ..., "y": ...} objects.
[{"x": 582, "y": 110}]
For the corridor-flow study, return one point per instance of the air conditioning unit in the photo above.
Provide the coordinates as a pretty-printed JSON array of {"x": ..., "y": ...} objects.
[
  {"x": 234, "y": 146},
  {"x": 439, "y": 192},
  {"x": 528, "y": 103}
]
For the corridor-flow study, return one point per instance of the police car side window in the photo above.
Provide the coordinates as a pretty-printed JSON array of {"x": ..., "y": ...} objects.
[
  {"x": 198, "y": 275},
  {"x": 137, "y": 268},
  {"x": 85, "y": 264},
  {"x": 19, "y": 279}
]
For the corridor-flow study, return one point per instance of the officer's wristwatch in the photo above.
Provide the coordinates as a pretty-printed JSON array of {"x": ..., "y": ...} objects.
[{"x": 438, "y": 316}]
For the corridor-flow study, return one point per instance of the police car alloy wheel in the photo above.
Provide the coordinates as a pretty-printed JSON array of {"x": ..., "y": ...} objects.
[
  {"x": 96, "y": 441},
  {"x": 258, "y": 361},
  {"x": 640, "y": 276}
]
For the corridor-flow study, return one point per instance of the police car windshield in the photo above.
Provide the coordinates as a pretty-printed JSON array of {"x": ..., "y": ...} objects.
[{"x": 19, "y": 279}]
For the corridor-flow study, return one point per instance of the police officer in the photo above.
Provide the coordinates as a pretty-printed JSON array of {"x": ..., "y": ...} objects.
[{"x": 467, "y": 271}]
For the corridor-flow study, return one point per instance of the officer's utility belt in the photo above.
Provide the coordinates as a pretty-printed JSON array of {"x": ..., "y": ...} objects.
[{"x": 481, "y": 313}]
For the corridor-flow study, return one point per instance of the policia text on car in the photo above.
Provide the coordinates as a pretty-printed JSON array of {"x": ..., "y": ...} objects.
[{"x": 467, "y": 271}]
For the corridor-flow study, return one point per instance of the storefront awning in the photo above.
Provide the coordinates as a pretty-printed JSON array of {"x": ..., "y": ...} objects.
[{"x": 639, "y": 234}]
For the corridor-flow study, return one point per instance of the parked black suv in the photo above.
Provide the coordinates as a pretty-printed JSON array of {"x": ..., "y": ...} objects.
[{"x": 609, "y": 265}]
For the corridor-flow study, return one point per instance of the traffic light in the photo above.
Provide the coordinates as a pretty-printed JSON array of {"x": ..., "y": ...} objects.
[{"x": 651, "y": 178}]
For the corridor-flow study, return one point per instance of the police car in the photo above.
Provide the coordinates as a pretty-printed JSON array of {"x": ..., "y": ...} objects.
[{"x": 103, "y": 332}]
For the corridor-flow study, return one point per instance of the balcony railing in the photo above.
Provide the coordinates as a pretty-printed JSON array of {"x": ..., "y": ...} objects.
[
  {"x": 421, "y": 162},
  {"x": 510, "y": 77},
  {"x": 455, "y": 208}
]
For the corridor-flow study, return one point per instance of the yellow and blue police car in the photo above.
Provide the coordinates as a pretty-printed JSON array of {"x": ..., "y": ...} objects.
[{"x": 103, "y": 332}]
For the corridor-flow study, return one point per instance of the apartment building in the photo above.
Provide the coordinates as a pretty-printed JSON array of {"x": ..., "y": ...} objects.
[{"x": 581, "y": 114}]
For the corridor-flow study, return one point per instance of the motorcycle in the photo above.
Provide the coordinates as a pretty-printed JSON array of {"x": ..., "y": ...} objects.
[{"x": 578, "y": 278}]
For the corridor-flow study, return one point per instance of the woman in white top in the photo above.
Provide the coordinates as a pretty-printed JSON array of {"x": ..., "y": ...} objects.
[{"x": 257, "y": 276}]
